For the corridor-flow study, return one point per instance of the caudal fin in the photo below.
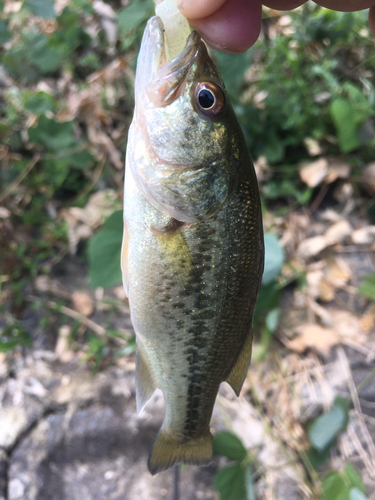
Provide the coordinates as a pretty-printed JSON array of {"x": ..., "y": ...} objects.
[{"x": 168, "y": 450}]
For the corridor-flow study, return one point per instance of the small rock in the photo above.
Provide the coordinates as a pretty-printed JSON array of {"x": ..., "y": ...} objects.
[{"x": 13, "y": 423}]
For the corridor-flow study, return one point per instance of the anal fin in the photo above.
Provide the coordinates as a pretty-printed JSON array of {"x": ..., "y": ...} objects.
[
  {"x": 238, "y": 373},
  {"x": 145, "y": 381}
]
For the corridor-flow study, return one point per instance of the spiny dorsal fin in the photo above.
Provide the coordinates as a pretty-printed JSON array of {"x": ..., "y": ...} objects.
[{"x": 239, "y": 371}]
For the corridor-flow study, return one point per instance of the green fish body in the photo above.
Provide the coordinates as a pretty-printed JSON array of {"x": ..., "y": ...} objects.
[{"x": 193, "y": 247}]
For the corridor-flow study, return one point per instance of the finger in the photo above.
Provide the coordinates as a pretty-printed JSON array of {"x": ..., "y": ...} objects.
[
  {"x": 283, "y": 4},
  {"x": 345, "y": 5},
  {"x": 196, "y": 9},
  {"x": 232, "y": 28},
  {"x": 371, "y": 19}
]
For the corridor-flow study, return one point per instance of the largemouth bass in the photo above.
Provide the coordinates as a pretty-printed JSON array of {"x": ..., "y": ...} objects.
[{"x": 193, "y": 248}]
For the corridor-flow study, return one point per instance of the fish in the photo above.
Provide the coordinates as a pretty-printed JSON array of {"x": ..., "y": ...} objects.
[{"x": 193, "y": 250}]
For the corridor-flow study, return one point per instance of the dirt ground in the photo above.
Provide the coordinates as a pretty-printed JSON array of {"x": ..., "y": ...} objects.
[{"x": 69, "y": 434}]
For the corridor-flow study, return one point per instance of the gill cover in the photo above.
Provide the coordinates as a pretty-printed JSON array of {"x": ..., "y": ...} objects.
[{"x": 179, "y": 143}]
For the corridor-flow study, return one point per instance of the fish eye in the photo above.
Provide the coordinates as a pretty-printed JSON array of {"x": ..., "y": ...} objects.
[{"x": 209, "y": 98}]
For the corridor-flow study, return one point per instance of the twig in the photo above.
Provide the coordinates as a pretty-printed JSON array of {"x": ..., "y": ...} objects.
[
  {"x": 357, "y": 406},
  {"x": 20, "y": 177},
  {"x": 99, "y": 330},
  {"x": 94, "y": 180},
  {"x": 176, "y": 482}
]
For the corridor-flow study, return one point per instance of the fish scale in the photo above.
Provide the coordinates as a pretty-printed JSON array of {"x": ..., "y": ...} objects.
[{"x": 192, "y": 285}]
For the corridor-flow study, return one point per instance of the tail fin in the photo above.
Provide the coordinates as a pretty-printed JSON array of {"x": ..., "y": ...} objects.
[{"x": 169, "y": 450}]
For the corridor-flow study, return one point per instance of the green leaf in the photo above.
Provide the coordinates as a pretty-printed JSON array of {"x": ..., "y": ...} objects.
[
  {"x": 229, "y": 445},
  {"x": 356, "y": 494},
  {"x": 249, "y": 483},
  {"x": 318, "y": 458},
  {"x": 367, "y": 287},
  {"x": 41, "y": 8},
  {"x": 52, "y": 134},
  {"x": 334, "y": 487},
  {"x": 81, "y": 159},
  {"x": 342, "y": 115},
  {"x": 4, "y": 33},
  {"x": 274, "y": 258},
  {"x": 104, "y": 251},
  {"x": 325, "y": 428},
  {"x": 353, "y": 476},
  {"x": 230, "y": 483},
  {"x": 39, "y": 103},
  {"x": 131, "y": 18},
  {"x": 232, "y": 69},
  {"x": 272, "y": 319},
  {"x": 44, "y": 55}
]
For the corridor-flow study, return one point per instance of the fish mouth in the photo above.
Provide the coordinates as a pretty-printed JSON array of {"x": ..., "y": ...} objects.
[{"x": 159, "y": 80}]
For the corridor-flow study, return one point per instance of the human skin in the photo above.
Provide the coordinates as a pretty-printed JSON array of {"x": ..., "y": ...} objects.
[{"x": 234, "y": 25}]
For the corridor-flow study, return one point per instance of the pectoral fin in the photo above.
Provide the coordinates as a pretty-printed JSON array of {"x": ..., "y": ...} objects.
[
  {"x": 239, "y": 371},
  {"x": 145, "y": 381},
  {"x": 124, "y": 261}
]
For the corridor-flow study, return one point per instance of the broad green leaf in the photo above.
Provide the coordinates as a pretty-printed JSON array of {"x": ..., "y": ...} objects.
[
  {"x": 41, "y": 8},
  {"x": 318, "y": 458},
  {"x": 5, "y": 35},
  {"x": 104, "y": 251},
  {"x": 249, "y": 483},
  {"x": 230, "y": 483},
  {"x": 55, "y": 171},
  {"x": 342, "y": 114},
  {"x": 229, "y": 445},
  {"x": 356, "y": 494},
  {"x": 353, "y": 476},
  {"x": 272, "y": 319},
  {"x": 134, "y": 15},
  {"x": 39, "y": 103},
  {"x": 367, "y": 287},
  {"x": 334, "y": 487},
  {"x": 52, "y": 134},
  {"x": 325, "y": 428},
  {"x": 81, "y": 159},
  {"x": 232, "y": 69},
  {"x": 274, "y": 258},
  {"x": 45, "y": 56}
]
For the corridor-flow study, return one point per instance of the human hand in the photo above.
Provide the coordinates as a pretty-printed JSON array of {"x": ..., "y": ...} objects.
[{"x": 234, "y": 25}]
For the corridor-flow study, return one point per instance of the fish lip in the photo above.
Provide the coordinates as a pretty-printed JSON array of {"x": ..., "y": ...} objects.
[{"x": 154, "y": 73}]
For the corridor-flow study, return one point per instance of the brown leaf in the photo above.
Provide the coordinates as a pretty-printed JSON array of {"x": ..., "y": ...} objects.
[
  {"x": 368, "y": 178},
  {"x": 338, "y": 232},
  {"x": 364, "y": 235},
  {"x": 314, "y": 173},
  {"x": 326, "y": 290},
  {"x": 338, "y": 271},
  {"x": 316, "y": 337},
  {"x": 83, "y": 303},
  {"x": 312, "y": 246}
]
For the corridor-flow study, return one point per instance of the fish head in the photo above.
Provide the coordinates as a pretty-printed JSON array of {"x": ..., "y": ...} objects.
[{"x": 186, "y": 139}]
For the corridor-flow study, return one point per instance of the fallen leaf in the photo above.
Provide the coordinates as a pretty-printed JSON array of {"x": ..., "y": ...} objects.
[
  {"x": 326, "y": 290},
  {"x": 337, "y": 169},
  {"x": 316, "y": 337},
  {"x": 312, "y": 246},
  {"x": 364, "y": 235},
  {"x": 338, "y": 271},
  {"x": 314, "y": 173},
  {"x": 83, "y": 303},
  {"x": 4, "y": 213},
  {"x": 367, "y": 322},
  {"x": 338, "y": 232},
  {"x": 368, "y": 178}
]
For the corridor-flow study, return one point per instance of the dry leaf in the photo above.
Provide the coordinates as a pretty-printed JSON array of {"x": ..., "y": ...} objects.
[
  {"x": 367, "y": 322},
  {"x": 62, "y": 341},
  {"x": 368, "y": 178},
  {"x": 338, "y": 232},
  {"x": 326, "y": 290},
  {"x": 316, "y": 337},
  {"x": 364, "y": 235},
  {"x": 83, "y": 303},
  {"x": 338, "y": 271},
  {"x": 337, "y": 170},
  {"x": 4, "y": 213},
  {"x": 312, "y": 246},
  {"x": 314, "y": 173}
]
